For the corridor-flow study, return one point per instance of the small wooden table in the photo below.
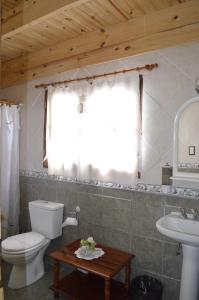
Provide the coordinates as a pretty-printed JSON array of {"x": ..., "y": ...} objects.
[{"x": 98, "y": 284}]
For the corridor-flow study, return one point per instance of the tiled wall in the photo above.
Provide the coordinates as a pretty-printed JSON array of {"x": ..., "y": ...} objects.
[{"x": 119, "y": 218}]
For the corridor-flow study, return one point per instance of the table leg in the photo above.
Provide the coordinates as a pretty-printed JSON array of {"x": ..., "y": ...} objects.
[
  {"x": 56, "y": 278},
  {"x": 107, "y": 289},
  {"x": 127, "y": 275}
]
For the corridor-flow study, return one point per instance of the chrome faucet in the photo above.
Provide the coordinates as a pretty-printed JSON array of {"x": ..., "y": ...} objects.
[
  {"x": 195, "y": 213},
  {"x": 183, "y": 213}
]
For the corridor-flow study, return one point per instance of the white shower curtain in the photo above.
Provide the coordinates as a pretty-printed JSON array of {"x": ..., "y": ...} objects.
[{"x": 9, "y": 168}]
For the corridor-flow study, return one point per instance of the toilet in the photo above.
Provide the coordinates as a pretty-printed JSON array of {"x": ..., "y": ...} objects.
[{"x": 26, "y": 251}]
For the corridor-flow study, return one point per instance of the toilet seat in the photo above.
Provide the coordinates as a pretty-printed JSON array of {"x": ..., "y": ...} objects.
[{"x": 22, "y": 243}]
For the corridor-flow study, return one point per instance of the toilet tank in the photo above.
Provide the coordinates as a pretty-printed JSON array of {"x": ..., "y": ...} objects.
[{"x": 46, "y": 218}]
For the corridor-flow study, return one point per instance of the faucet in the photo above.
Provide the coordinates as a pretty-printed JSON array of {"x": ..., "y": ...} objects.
[
  {"x": 195, "y": 213},
  {"x": 183, "y": 213}
]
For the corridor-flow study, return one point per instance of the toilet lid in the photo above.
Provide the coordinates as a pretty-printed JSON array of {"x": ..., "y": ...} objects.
[{"x": 22, "y": 242}]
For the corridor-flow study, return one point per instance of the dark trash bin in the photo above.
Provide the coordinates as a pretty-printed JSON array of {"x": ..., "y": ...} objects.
[{"x": 146, "y": 288}]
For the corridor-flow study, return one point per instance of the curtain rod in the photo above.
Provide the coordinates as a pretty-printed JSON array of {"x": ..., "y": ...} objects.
[
  {"x": 146, "y": 67},
  {"x": 9, "y": 102}
]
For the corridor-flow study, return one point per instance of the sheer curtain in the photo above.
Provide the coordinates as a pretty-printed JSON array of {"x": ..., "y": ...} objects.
[
  {"x": 9, "y": 168},
  {"x": 101, "y": 143}
]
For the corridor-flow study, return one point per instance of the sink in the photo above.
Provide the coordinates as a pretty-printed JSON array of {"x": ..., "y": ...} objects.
[{"x": 185, "y": 231}]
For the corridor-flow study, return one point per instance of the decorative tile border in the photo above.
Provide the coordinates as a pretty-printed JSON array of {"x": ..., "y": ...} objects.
[
  {"x": 188, "y": 166},
  {"x": 162, "y": 189}
]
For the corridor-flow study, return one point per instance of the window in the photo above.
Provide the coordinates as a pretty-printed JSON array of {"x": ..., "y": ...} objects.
[{"x": 93, "y": 130}]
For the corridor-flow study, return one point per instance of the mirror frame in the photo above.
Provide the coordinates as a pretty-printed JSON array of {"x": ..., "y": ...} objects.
[{"x": 177, "y": 175}]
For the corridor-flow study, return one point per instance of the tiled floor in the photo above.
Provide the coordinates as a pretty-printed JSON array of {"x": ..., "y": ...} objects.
[{"x": 37, "y": 291}]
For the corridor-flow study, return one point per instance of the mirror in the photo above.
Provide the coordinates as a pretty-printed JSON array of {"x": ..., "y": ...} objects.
[{"x": 186, "y": 142}]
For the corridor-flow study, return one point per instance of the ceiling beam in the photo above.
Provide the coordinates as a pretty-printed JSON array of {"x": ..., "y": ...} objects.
[
  {"x": 134, "y": 47},
  {"x": 168, "y": 27},
  {"x": 174, "y": 17},
  {"x": 9, "y": 13},
  {"x": 33, "y": 12}
]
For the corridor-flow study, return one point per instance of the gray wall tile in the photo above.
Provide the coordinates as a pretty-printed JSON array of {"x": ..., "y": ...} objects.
[
  {"x": 149, "y": 254},
  {"x": 90, "y": 189},
  {"x": 91, "y": 208},
  {"x": 28, "y": 192},
  {"x": 182, "y": 202},
  {"x": 66, "y": 193},
  {"x": 171, "y": 289},
  {"x": 150, "y": 198},
  {"x": 117, "y": 193},
  {"x": 116, "y": 239},
  {"x": 143, "y": 218},
  {"x": 118, "y": 218},
  {"x": 87, "y": 229},
  {"x": 116, "y": 214},
  {"x": 46, "y": 190},
  {"x": 112, "y": 238},
  {"x": 171, "y": 261}
]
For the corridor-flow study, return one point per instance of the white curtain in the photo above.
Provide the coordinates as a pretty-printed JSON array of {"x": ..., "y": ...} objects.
[
  {"x": 102, "y": 142},
  {"x": 9, "y": 168}
]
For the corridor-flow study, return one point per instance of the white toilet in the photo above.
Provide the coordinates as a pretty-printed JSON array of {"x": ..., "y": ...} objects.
[{"x": 25, "y": 251}]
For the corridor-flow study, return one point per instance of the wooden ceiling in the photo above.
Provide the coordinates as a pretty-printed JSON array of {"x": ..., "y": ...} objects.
[
  {"x": 9, "y": 4},
  {"x": 43, "y": 37}
]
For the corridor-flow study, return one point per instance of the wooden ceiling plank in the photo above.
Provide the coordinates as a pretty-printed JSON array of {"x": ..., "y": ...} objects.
[
  {"x": 8, "y": 5},
  {"x": 111, "y": 10},
  {"x": 27, "y": 41},
  {"x": 25, "y": 44},
  {"x": 178, "y": 24},
  {"x": 97, "y": 13},
  {"x": 128, "y": 8},
  {"x": 105, "y": 10},
  {"x": 89, "y": 14},
  {"x": 84, "y": 15},
  {"x": 53, "y": 28},
  {"x": 82, "y": 19},
  {"x": 72, "y": 21},
  {"x": 108, "y": 11},
  {"x": 148, "y": 43},
  {"x": 60, "y": 28},
  {"x": 137, "y": 46},
  {"x": 44, "y": 36},
  {"x": 159, "y": 21},
  {"x": 35, "y": 11},
  {"x": 117, "y": 9},
  {"x": 9, "y": 13},
  {"x": 52, "y": 32}
]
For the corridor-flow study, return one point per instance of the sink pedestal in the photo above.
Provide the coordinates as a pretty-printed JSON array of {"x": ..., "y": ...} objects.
[
  {"x": 189, "y": 289},
  {"x": 185, "y": 231}
]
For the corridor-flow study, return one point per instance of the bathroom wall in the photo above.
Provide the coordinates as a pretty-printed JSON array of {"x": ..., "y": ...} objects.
[
  {"x": 188, "y": 135},
  {"x": 118, "y": 218},
  {"x": 165, "y": 90}
]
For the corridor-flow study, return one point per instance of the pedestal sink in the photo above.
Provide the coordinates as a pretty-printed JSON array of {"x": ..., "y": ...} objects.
[{"x": 185, "y": 231}]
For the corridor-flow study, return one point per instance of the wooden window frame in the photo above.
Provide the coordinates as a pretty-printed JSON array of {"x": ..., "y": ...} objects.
[{"x": 45, "y": 159}]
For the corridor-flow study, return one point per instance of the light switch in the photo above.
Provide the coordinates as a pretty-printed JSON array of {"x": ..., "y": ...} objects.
[{"x": 192, "y": 150}]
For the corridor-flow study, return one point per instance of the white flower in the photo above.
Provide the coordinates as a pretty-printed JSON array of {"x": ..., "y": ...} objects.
[{"x": 90, "y": 239}]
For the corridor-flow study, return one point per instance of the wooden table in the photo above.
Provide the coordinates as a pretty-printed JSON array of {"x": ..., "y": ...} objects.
[{"x": 98, "y": 284}]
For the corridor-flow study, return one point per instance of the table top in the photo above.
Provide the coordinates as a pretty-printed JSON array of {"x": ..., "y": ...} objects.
[{"x": 105, "y": 266}]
